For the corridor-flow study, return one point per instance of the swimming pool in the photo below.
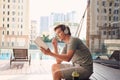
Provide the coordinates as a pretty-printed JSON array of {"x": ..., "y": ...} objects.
[
  {"x": 6, "y": 56},
  {"x": 35, "y": 53}
]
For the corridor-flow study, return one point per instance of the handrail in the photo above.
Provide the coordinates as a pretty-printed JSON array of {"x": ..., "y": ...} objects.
[{"x": 79, "y": 28}]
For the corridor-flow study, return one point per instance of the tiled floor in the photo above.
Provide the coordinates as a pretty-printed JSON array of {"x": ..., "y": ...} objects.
[{"x": 38, "y": 70}]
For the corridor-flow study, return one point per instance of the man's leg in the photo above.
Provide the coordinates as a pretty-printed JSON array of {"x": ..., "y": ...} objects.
[{"x": 56, "y": 72}]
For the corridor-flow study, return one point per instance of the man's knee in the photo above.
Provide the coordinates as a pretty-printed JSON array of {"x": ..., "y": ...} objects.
[
  {"x": 55, "y": 67},
  {"x": 57, "y": 74}
]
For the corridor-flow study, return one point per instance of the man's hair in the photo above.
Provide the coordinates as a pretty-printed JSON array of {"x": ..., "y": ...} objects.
[{"x": 63, "y": 28}]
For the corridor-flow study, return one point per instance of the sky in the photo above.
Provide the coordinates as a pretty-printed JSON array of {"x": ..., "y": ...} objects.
[{"x": 45, "y": 7}]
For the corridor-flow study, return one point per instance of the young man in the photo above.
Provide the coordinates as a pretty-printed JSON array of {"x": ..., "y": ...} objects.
[{"x": 74, "y": 51}]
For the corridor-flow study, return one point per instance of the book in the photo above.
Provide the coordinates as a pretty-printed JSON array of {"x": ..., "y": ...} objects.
[{"x": 41, "y": 43}]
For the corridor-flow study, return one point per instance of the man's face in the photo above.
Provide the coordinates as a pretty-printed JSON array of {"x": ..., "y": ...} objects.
[{"x": 60, "y": 34}]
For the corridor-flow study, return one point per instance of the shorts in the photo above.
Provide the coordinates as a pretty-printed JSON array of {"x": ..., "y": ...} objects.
[{"x": 67, "y": 69}]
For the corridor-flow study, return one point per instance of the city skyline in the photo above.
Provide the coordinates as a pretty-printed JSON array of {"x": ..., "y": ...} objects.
[{"x": 46, "y": 7}]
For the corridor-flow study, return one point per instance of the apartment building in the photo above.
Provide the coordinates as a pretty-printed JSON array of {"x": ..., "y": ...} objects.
[
  {"x": 14, "y": 24},
  {"x": 103, "y": 23}
]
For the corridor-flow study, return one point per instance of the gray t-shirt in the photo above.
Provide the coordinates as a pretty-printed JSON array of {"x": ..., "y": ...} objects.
[{"x": 82, "y": 54}]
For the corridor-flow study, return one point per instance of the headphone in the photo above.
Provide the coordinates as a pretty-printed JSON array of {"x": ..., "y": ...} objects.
[{"x": 66, "y": 30}]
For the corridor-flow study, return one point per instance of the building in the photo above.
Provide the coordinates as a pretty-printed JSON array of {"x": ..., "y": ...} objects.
[
  {"x": 33, "y": 31},
  {"x": 102, "y": 23},
  {"x": 14, "y": 24},
  {"x": 47, "y": 23},
  {"x": 44, "y": 25}
]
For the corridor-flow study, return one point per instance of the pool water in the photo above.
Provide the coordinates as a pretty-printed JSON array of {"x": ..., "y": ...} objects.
[
  {"x": 6, "y": 56},
  {"x": 35, "y": 54}
]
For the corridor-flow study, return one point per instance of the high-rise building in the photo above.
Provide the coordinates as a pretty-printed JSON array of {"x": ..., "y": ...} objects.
[
  {"x": 47, "y": 23},
  {"x": 14, "y": 23},
  {"x": 44, "y": 25},
  {"x": 103, "y": 22}
]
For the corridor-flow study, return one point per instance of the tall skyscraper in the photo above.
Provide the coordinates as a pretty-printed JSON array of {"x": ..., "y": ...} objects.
[{"x": 14, "y": 23}]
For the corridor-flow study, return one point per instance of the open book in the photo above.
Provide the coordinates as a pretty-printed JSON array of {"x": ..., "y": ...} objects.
[{"x": 40, "y": 42}]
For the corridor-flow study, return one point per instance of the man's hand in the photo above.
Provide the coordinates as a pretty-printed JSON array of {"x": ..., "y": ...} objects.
[
  {"x": 54, "y": 42},
  {"x": 46, "y": 52}
]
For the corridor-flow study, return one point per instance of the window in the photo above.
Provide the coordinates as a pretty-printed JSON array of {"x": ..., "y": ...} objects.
[
  {"x": 8, "y": 13},
  {"x": 109, "y": 18},
  {"x": 110, "y": 4},
  {"x": 8, "y": 1},
  {"x": 110, "y": 11},
  {"x": 7, "y": 32},
  {"x": 105, "y": 10},
  {"x": 116, "y": 11},
  {"x": 97, "y": 2},
  {"x": 3, "y": 32},
  {"x": 13, "y": 19},
  {"x": 13, "y": 12},
  {"x": 7, "y": 25},
  {"x": 21, "y": 26},
  {"x": 117, "y": 18},
  {"x": 3, "y": 12},
  {"x": 3, "y": 25},
  {"x": 104, "y": 32},
  {"x": 114, "y": 25},
  {"x": 114, "y": 18},
  {"x": 12, "y": 32},
  {"x": 8, "y": 6},
  {"x": 113, "y": 32},
  {"x": 103, "y": 3},
  {"x": 2, "y": 43},
  {"x": 8, "y": 19},
  {"x": 12, "y": 43},
  {"x": 21, "y": 13},
  {"x": 109, "y": 32},
  {"x": 105, "y": 25},
  {"x": 4, "y": 6},
  {"x": 105, "y": 17},
  {"x": 3, "y": 19},
  {"x": 115, "y": 4},
  {"x": 97, "y": 10},
  {"x": 97, "y": 17}
]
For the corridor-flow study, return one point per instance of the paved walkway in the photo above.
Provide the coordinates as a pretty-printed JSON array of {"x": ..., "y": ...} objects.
[{"x": 38, "y": 70}]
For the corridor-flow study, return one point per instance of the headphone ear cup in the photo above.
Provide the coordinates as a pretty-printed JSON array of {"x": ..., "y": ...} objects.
[{"x": 66, "y": 31}]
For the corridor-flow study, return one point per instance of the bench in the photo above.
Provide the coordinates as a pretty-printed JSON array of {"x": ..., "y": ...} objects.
[{"x": 102, "y": 72}]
